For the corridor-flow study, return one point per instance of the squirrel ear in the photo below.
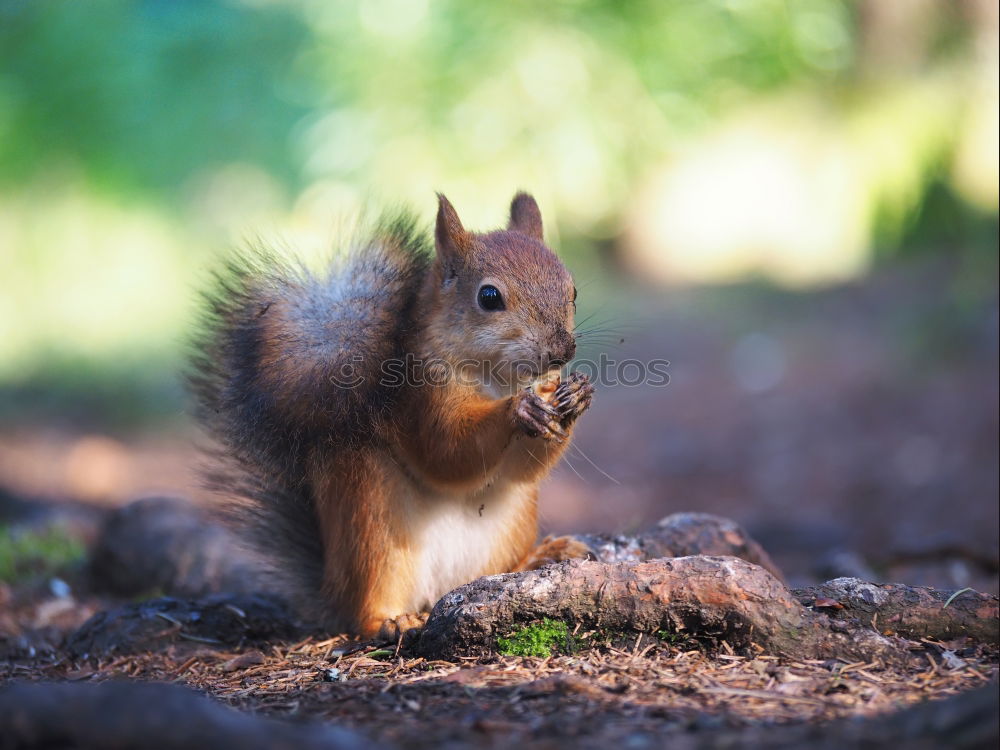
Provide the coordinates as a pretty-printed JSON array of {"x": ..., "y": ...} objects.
[
  {"x": 525, "y": 216},
  {"x": 451, "y": 239}
]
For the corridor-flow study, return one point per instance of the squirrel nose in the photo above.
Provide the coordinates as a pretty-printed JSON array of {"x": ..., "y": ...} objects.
[{"x": 567, "y": 345}]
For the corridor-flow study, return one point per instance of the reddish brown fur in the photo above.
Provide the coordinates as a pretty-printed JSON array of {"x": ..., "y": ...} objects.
[
  {"x": 422, "y": 465},
  {"x": 455, "y": 438}
]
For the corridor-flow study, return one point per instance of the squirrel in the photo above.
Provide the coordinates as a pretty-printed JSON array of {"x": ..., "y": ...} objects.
[{"x": 383, "y": 425}]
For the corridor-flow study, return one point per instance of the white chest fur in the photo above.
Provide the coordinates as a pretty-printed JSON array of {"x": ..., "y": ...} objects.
[{"x": 456, "y": 537}]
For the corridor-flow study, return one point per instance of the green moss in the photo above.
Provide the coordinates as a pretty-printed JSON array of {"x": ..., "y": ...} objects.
[
  {"x": 30, "y": 554},
  {"x": 537, "y": 639},
  {"x": 543, "y": 638},
  {"x": 670, "y": 637}
]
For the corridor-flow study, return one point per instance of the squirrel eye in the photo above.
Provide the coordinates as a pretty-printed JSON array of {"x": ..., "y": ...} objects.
[{"x": 490, "y": 298}]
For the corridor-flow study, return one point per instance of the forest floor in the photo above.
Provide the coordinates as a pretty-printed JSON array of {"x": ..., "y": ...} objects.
[
  {"x": 631, "y": 692},
  {"x": 853, "y": 431}
]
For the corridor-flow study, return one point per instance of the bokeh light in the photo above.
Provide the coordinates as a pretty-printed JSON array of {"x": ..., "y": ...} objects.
[{"x": 696, "y": 142}]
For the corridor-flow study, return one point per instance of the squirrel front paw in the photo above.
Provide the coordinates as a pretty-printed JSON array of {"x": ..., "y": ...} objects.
[
  {"x": 538, "y": 418},
  {"x": 573, "y": 397}
]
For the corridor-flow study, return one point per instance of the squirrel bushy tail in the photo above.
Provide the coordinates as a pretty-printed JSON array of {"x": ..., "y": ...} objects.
[{"x": 286, "y": 365}]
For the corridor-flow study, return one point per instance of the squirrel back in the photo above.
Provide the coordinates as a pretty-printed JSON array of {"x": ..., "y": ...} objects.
[{"x": 283, "y": 352}]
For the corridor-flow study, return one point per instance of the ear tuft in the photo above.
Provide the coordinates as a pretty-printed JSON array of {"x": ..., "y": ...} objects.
[
  {"x": 450, "y": 237},
  {"x": 525, "y": 216}
]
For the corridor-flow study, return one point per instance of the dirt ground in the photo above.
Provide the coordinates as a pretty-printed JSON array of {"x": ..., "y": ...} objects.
[
  {"x": 637, "y": 691},
  {"x": 853, "y": 431}
]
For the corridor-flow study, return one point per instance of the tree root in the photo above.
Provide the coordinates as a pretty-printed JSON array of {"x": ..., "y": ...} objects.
[
  {"x": 169, "y": 546},
  {"x": 148, "y": 715},
  {"x": 719, "y": 598},
  {"x": 680, "y": 535},
  {"x": 910, "y": 611}
]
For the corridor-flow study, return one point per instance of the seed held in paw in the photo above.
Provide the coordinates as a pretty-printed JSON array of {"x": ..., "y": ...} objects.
[{"x": 545, "y": 387}]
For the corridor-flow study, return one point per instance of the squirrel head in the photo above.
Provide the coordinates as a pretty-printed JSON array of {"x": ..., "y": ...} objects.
[{"x": 503, "y": 299}]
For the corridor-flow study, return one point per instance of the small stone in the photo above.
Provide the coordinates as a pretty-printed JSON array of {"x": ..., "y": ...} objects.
[{"x": 59, "y": 588}]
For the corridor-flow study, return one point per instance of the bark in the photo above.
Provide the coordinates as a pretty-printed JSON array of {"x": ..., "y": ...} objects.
[
  {"x": 147, "y": 715},
  {"x": 911, "y": 611},
  {"x": 719, "y": 598},
  {"x": 681, "y": 535}
]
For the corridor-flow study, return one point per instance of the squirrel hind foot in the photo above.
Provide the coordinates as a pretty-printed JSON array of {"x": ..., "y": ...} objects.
[
  {"x": 392, "y": 628},
  {"x": 553, "y": 549}
]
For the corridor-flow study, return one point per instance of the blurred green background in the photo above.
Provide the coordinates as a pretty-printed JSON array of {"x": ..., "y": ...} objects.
[
  {"x": 688, "y": 142},
  {"x": 795, "y": 202}
]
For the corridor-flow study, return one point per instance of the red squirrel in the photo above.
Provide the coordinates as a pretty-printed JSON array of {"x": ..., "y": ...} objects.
[{"x": 383, "y": 425}]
